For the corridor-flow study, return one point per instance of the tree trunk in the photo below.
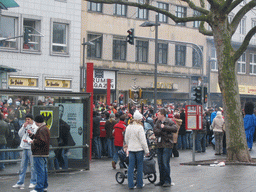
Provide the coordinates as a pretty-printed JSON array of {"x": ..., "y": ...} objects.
[{"x": 237, "y": 149}]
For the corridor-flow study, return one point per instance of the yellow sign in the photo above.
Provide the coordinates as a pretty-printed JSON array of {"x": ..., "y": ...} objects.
[
  {"x": 161, "y": 85},
  {"x": 244, "y": 90},
  {"x": 23, "y": 82},
  {"x": 58, "y": 83}
]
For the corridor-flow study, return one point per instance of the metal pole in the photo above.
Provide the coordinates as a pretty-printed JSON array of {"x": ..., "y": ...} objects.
[
  {"x": 194, "y": 145},
  {"x": 82, "y": 73},
  {"x": 156, "y": 60}
]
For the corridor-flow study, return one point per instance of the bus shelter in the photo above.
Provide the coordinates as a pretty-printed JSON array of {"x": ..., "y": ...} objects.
[{"x": 71, "y": 109}]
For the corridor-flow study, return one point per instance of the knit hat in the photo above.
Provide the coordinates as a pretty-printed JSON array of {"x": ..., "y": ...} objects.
[
  {"x": 137, "y": 115},
  {"x": 29, "y": 115},
  {"x": 39, "y": 119}
]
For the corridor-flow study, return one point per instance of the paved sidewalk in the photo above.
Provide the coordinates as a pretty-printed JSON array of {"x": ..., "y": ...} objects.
[{"x": 101, "y": 177}]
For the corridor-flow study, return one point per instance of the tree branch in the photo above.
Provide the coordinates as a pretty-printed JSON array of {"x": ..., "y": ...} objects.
[
  {"x": 203, "y": 30},
  {"x": 240, "y": 14},
  {"x": 152, "y": 8},
  {"x": 245, "y": 43},
  {"x": 233, "y": 5},
  {"x": 225, "y": 6},
  {"x": 194, "y": 7},
  {"x": 213, "y": 4}
]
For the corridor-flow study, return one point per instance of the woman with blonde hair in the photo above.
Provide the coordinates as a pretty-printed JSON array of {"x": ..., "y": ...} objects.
[
  {"x": 218, "y": 131},
  {"x": 136, "y": 141}
]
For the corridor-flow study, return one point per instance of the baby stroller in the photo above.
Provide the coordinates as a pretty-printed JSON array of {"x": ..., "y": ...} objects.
[{"x": 149, "y": 169}]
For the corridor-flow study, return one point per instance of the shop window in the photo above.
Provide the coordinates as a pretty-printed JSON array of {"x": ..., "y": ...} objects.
[
  {"x": 241, "y": 64},
  {"x": 197, "y": 57},
  {"x": 142, "y": 51},
  {"x": 94, "y": 50},
  {"x": 142, "y": 13},
  {"x": 163, "y": 52},
  {"x": 196, "y": 24},
  {"x": 60, "y": 34},
  {"x": 120, "y": 10},
  {"x": 31, "y": 35},
  {"x": 119, "y": 49},
  {"x": 180, "y": 55},
  {"x": 95, "y": 7},
  {"x": 8, "y": 32},
  {"x": 253, "y": 64},
  {"x": 162, "y": 18},
  {"x": 213, "y": 60},
  {"x": 181, "y": 12}
]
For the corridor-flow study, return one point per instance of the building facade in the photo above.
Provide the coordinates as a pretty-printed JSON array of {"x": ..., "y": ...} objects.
[
  {"x": 246, "y": 65},
  {"x": 182, "y": 50},
  {"x": 41, "y": 40}
]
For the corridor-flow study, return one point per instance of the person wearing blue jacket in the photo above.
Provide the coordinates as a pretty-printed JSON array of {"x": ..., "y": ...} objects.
[{"x": 249, "y": 123}]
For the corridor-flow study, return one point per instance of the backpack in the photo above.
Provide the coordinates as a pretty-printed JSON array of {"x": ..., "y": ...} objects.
[{"x": 13, "y": 137}]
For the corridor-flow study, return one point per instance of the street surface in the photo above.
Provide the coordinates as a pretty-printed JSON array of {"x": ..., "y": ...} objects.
[{"x": 101, "y": 177}]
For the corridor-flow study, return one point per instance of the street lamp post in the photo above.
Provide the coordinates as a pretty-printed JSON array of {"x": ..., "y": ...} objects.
[
  {"x": 82, "y": 76},
  {"x": 156, "y": 24}
]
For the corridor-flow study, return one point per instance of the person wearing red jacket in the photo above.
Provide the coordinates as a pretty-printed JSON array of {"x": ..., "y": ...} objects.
[{"x": 118, "y": 133}]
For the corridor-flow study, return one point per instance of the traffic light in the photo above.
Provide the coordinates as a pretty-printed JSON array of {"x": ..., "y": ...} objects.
[
  {"x": 26, "y": 35},
  {"x": 140, "y": 93},
  {"x": 205, "y": 94},
  {"x": 130, "y": 36},
  {"x": 198, "y": 94},
  {"x": 131, "y": 94}
]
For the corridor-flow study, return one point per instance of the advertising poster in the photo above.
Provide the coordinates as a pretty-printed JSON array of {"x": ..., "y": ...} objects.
[{"x": 72, "y": 114}]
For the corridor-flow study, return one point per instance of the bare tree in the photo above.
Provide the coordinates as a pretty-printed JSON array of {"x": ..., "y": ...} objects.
[{"x": 222, "y": 31}]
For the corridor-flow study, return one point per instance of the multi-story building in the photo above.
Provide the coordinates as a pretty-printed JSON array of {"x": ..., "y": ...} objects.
[
  {"x": 182, "y": 51},
  {"x": 40, "y": 40},
  {"x": 246, "y": 65}
]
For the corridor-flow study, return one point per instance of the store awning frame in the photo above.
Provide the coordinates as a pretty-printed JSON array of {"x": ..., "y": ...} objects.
[{"x": 5, "y": 4}]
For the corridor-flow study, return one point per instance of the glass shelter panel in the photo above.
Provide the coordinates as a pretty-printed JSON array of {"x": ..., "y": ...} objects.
[{"x": 66, "y": 114}]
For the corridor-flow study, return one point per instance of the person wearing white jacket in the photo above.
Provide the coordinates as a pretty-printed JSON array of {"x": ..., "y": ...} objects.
[
  {"x": 137, "y": 145},
  {"x": 26, "y": 153}
]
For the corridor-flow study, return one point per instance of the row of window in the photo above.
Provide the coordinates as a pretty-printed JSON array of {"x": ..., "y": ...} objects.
[
  {"x": 30, "y": 35},
  {"x": 241, "y": 63},
  {"x": 142, "y": 48},
  {"x": 121, "y": 10}
]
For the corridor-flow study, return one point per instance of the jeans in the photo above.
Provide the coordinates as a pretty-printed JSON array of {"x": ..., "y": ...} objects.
[
  {"x": 135, "y": 158},
  {"x": 40, "y": 164},
  {"x": 200, "y": 142},
  {"x": 163, "y": 158},
  {"x": 110, "y": 147},
  {"x": 189, "y": 139},
  {"x": 115, "y": 157},
  {"x": 25, "y": 158},
  {"x": 182, "y": 142},
  {"x": 97, "y": 146},
  {"x": 218, "y": 142},
  {"x": 2, "y": 156}
]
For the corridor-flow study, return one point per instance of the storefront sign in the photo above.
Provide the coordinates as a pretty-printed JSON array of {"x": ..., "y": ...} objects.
[
  {"x": 100, "y": 78},
  {"x": 23, "y": 82},
  {"x": 57, "y": 83},
  {"x": 162, "y": 85},
  {"x": 244, "y": 90}
]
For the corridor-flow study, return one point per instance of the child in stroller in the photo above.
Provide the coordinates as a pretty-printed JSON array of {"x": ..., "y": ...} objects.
[{"x": 148, "y": 167}]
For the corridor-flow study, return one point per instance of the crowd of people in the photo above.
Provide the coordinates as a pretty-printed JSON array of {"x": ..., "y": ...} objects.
[
  {"x": 19, "y": 129},
  {"x": 126, "y": 126}
]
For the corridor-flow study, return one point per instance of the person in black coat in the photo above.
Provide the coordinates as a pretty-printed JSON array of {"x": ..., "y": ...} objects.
[
  {"x": 96, "y": 135},
  {"x": 182, "y": 141}
]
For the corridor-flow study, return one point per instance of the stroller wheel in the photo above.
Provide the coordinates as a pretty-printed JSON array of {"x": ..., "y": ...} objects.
[
  {"x": 120, "y": 177},
  {"x": 152, "y": 177}
]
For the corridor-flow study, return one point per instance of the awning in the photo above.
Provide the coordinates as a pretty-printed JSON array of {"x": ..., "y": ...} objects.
[
  {"x": 5, "y": 4},
  {"x": 4, "y": 68}
]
